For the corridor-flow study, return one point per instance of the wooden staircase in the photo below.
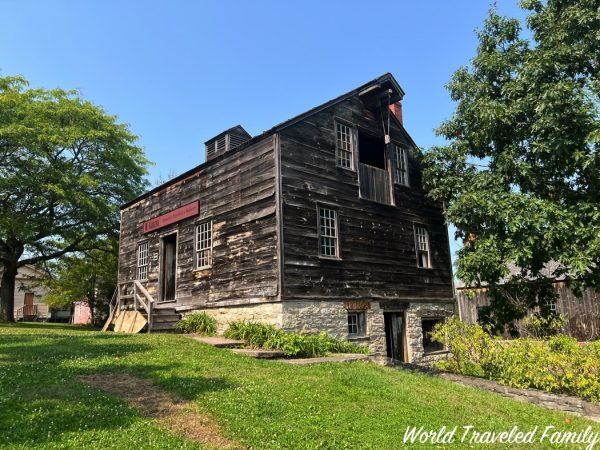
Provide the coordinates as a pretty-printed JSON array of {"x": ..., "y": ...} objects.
[
  {"x": 165, "y": 318},
  {"x": 133, "y": 309},
  {"x": 27, "y": 313}
]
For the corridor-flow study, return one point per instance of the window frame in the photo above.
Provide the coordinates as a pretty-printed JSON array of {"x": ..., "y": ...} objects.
[
  {"x": 439, "y": 346},
  {"x": 337, "y": 255},
  {"x": 197, "y": 242},
  {"x": 395, "y": 168},
  {"x": 418, "y": 250},
  {"x": 351, "y": 140},
  {"x": 139, "y": 266},
  {"x": 552, "y": 306},
  {"x": 361, "y": 323}
]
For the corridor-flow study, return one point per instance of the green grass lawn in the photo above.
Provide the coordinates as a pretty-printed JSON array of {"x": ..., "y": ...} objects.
[{"x": 261, "y": 404}]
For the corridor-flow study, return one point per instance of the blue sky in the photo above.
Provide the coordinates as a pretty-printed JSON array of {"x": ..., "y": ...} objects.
[{"x": 179, "y": 72}]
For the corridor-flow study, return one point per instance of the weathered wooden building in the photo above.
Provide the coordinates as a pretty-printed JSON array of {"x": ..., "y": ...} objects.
[
  {"x": 320, "y": 223},
  {"x": 581, "y": 313}
]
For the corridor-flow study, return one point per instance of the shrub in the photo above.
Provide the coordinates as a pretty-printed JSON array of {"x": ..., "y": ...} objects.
[
  {"x": 539, "y": 327},
  {"x": 198, "y": 322},
  {"x": 301, "y": 345},
  {"x": 563, "y": 344},
  {"x": 558, "y": 365},
  {"x": 469, "y": 346}
]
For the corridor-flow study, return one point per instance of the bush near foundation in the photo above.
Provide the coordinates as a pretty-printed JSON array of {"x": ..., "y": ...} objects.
[
  {"x": 198, "y": 323},
  {"x": 294, "y": 345},
  {"x": 559, "y": 364}
]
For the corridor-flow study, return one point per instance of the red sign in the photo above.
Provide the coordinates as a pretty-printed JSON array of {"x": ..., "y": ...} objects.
[{"x": 185, "y": 211}]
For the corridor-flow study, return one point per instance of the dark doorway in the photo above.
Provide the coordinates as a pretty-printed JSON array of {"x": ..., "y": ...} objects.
[
  {"x": 169, "y": 267},
  {"x": 394, "y": 335},
  {"x": 371, "y": 150}
]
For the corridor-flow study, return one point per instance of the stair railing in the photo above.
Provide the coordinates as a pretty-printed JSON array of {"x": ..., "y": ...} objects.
[
  {"x": 145, "y": 299},
  {"x": 27, "y": 311}
]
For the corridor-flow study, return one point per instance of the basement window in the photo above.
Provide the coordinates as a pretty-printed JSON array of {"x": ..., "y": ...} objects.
[
  {"x": 142, "y": 261},
  {"x": 356, "y": 323},
  {"x": 371, "y": 150},
  {"x": 429, "y": 345}
]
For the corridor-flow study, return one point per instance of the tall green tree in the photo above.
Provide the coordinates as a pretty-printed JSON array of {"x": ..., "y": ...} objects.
[
  {"x": 65, "y": 167},
  {"x": 89, "y": 275},
  {"x": 520, "y": 174}
]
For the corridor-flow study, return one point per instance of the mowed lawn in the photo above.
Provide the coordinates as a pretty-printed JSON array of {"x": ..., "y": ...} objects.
[{"x": 259, "y": 404}]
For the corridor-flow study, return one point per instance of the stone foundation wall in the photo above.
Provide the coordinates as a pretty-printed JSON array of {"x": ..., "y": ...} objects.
[
  {"x": 315, "y": 316},
  {"x": 270, "y": 313},
  {"x": 332, "y": 317},
  {"x": 414, "y": 330}
]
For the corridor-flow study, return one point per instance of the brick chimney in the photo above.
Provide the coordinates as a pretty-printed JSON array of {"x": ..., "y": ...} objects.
[{"x": 396, "y": 109}]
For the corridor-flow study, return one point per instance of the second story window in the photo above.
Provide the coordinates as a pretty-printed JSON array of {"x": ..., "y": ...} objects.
[
  {"x": 328, "y": 233},
  {"x": 343, "y": 146},
  {"x": 204, "y": 245},
  {"x": 142, "y": 261},
  {"x": 400, "y": 165},
  {"x": 422, "y": 244}
]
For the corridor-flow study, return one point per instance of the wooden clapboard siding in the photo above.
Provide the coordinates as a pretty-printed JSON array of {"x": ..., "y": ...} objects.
[
  {"x": 582, "y": 314},
  {"x": 378, "y": 258},
  {"x": 236, "y": 191},
  {"x": 262, "y": 198}
]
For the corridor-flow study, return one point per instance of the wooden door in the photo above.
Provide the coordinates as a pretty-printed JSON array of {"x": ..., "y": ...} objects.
[
  {"x": 394, "y": 335},
  {"x": 28, "y": 308},
  {"x": 169, "y": 268}
]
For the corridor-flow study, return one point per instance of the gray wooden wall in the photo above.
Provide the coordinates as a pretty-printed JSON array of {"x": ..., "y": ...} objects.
[
  {"x": 378, "y": 259},
  {"x": 237, "y": 191},
  {"x": 582, "y": 314}
]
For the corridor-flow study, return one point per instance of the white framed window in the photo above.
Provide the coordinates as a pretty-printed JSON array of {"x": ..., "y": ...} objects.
[
  {"x": 204, "y": 245},
  {"x": 142, "y": 261},
  {"x": 422, "y": 245},
  {"x": 552, "y": 306},
  {"x": 343, "y": 146},
  {"x": 356, "y": 323},
  {"x": 400, "y": 164},
  {"x": 328, "y": 232}
]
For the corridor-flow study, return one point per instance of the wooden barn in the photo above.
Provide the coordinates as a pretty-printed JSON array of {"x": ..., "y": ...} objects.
[
  {"x": 581, "y": 313},
  {"x": 320, "y": 223}
]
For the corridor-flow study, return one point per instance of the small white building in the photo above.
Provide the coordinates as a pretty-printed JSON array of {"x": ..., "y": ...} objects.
[{"x": 28, "y": 295}]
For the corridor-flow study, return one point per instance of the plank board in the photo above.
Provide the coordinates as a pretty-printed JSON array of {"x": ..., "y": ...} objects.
[
  {"x": 119, "y": 320},
  {"x": 110, "y": 320},
  {"x": 130, "y": 322}
]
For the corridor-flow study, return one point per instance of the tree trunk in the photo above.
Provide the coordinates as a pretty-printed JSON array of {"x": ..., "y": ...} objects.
[{"x": 7, "y": 292}]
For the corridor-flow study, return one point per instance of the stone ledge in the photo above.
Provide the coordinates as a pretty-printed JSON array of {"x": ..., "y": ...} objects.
[
  {"x": 216, "y": 341},
  {"x": 336, "y": 357},
  {"x": 259, "y": 353},
  {"x": 559, "y": 402}
]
